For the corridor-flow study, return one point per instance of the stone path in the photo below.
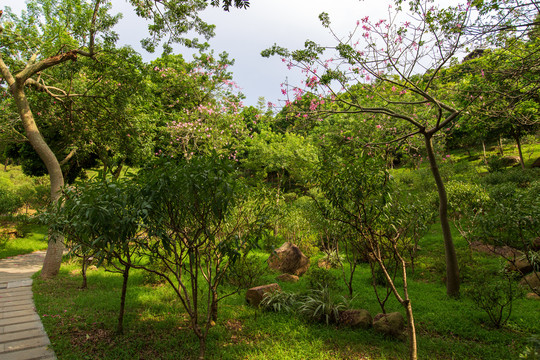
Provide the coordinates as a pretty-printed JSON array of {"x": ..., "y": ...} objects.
[{"x": 22, "y": 336}]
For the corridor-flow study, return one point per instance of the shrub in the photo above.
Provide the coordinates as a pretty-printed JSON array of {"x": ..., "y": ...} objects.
[
  {"x": 532, "y": 350},
  {"x": 9, "y": 201},
  {"x": 465, "y": 198},
  {"x": 279, "y": 301},
  {"x": 519, "y": 177},
  {"x": 495, "y": 163},
  {"x": 319, "y": 277},
  {"x": 245, "y": 272},
  {"x": 495, "y": 296},
  {"x": 319, "y": 306}
]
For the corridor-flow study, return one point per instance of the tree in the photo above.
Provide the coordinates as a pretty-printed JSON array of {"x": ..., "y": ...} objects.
[
  {"x": 377, "y": 71},
  {"x": 505, "y": 82},
  {"x": 51, "y": 33},
  {"x": 362, "y": 196},
  {"x": 44, "y": 37},
  {"x": 197, "y": 227}
]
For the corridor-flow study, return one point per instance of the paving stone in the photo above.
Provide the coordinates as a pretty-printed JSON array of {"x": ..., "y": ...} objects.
[
  {"x": 17, "y": 307},
  {"x": 21, "y": 335},
  {"x": 28, "y": 343},
  {"x": 21, "y": 326},
  {"x": 16, "y": 313},
  {"x": 27, "y": 354},
  {"x": 19, "y": 283},
  {"x": 19, "y": 320}
]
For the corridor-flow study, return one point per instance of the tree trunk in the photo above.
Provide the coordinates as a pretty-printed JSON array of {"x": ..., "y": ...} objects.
[
  {"x": 413, "y": 353},
  {"x": 202, "y": 347},
  {"x": 452, "y": 269},
  {"x": 501, "y": 150},
  {"x": 55, "y": 250},
  {"x": 484, "y": 148},
  {"x": 84, "y": 284},
  {"x": 120, "y": 327},
  {"x": 520, "y": 152},
  {"x": 214, "y": 306}
]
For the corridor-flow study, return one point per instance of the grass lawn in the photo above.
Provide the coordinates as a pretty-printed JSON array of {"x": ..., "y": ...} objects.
[
  {"x": 35, "y": 238},
  {"x": 81, "y": 323}
]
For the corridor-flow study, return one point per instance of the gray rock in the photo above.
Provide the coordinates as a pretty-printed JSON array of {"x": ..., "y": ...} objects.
[
  {"x": 392, "y": 324},
  {"x": 289, "y": 259},
  {"x": 356, "y": 318},
  {"x": 255, "y": 295}
]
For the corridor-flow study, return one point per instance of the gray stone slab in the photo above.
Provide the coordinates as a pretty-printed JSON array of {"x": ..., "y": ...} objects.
[
  {"x": 16, "y": 313},
  {"x": 24, "y": 344},
  {"x": 21, "y": 335},
  {"x": 15, "y": 290},
  {"x": 19, "y": 320},
  {"x": 42, "y": 352},
  {"x": 20, "y": 327},
  {"x": 14, "y": 302},
  {"x": 19, "y": 283},
  {"x": 17, "y": 306},
  {"x": 18, "y": 292}
]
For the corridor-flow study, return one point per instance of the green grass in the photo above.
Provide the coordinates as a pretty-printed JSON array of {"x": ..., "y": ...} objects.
[
  {"x": 34, "y": 239},
  {"x": 81, "y": 323}
]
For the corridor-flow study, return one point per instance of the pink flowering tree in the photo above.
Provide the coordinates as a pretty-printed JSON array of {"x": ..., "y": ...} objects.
[
  {"x": 394, "y": 69},
  {"x": 388, "y": 68},
  {"x": 199, "y": 105}
]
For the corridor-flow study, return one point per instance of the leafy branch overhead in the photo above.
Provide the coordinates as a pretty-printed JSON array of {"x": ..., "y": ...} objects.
[{"x": 171, "y": 21}]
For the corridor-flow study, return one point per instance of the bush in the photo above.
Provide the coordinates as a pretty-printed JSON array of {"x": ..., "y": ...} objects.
[
  {"x": 532, "y": 350},
  {"x": 245, "y": 272},
  {"x": 319, "y": 277},
  {"x": 519, "y": 177},
  {"x": 465, "y": 198},
  {"x": 495, "y": 163},
  {"x": 9, "y": 201},
  {"x": 495, "y": 296},
  {"x": 279, "y": 301},
  {"x": 319, "y": 306}
]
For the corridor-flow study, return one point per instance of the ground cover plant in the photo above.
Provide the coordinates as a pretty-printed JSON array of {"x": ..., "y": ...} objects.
[{"x": 447, "y": 328}]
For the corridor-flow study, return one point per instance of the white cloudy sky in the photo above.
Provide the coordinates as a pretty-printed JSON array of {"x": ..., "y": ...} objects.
[{"x": 244, "y": 33}]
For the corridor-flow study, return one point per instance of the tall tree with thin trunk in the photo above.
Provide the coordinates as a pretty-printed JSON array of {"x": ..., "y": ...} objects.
[{"x": 53, "y": 32}]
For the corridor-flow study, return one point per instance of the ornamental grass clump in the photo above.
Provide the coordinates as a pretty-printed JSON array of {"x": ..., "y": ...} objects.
[{"x": 320, "y": 306}]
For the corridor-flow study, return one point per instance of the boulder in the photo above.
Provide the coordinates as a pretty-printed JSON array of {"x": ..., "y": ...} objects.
[
  {"x": 536, "y": 163},
  {"x": 504, "y": 251},
  {"x": 532, "y": 296},
  {"x": 288, "y": 278},
  {"x": 356, "y": 318},
  {"x": 510, "y": 160},
  {"x": 521, "y": 265},
  {"x": 535, "y": 244},
  {"x": 392, "y": 324},
  {"x": 532, "y": 280},
  {"x": 255, "y": 295},
  {"x": 289, "y": 259}
]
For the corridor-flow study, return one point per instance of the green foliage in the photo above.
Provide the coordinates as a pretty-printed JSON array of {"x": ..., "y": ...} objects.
[
  {"x": 532, "y": 350},
  {"x": 9, "y": 201},
  {"x": 465, "y": 199},
  {"x": 280, "y": 301},
  {"x": 511, "y": 217},
  {"x": 495, "y": 163},
  {"x": 319, "y": 305},
  {"x": 322, "y": 278},
  {"x": 495, "y": 296},
  {"x": 245, "y": 272},
  {"x": 516, "y": 177}
]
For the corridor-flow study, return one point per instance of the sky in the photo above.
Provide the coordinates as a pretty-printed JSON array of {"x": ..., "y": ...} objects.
[{"x": 245, "y": 33}]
